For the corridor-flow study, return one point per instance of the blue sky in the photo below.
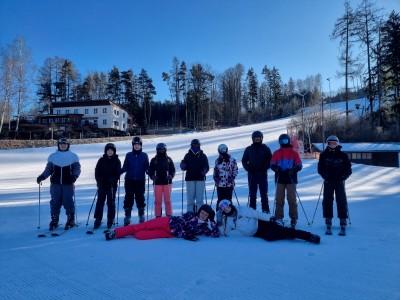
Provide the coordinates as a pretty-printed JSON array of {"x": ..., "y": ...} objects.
[{"x": 292, "y": 35}]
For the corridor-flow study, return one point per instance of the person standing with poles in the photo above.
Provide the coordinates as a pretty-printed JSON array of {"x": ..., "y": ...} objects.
[
  {"x": 162, "y": 171},
  {"x": 225, "y": 172},
  {"x": 107, "y": 174},
  {"x": 135, "y": 165},
  {"x": 195, "y": 163},
  {"x": 286, "y": 163},
  {"x": 334, "y": 167},
  {"x": 64, "y": 168},
  {"x": 256, "y": 161}
]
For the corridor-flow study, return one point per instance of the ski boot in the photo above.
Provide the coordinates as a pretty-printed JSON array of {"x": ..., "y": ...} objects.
[
  {"x": 328, "y": 223},
  {"x": 293, "y": 223},
  {"x": 53, "y": 223},
  {"x": 70, "y": 221},
  {"x": 343, "y": 224},
  {"x": 141, "y": 218},
  {"x": 109, "y": 235},
  {"x": 110, "y": 223},
  {"x": 97, "y": 224},
  {"x": 315, "y": 239}
]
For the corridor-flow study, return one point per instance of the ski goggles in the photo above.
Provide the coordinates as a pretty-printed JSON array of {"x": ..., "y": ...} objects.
[{"x": 332, "y": 144}]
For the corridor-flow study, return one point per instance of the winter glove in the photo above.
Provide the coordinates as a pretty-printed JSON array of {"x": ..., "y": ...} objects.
[
  {"x": 39, "y": 179},
  {"x": 183, "y": 166},
  {"x": 169, "y": 178},
  {"x": 74, "y": 178},
  {"x": 292, "y": 172}
]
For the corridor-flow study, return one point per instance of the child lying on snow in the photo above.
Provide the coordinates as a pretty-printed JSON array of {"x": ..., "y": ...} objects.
[
  {"x": 188, "y": 226},
  {"x": 249, "y": 222}
]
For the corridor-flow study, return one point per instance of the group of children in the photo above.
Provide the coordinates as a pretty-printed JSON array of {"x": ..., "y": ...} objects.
[{"x": 64, "y": 168}]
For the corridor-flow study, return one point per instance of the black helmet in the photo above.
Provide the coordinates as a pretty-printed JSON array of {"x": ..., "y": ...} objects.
[
  {"x": 284, "y": 139},
  {"x": 63, "y": 141},
  {"x": 195, "y": 142},
  {"x": 110, "y": 146},
  {"x": 222, "y": 149},
  {"x": 161, "y": 146},
  {"x": 208, "y": 209},
  {"x": 137, "y": 140},
  {"x": 257, "y": 134}
]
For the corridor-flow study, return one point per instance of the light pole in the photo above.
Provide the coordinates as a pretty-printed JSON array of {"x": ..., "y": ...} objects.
[{"x": 330, "y": 98}]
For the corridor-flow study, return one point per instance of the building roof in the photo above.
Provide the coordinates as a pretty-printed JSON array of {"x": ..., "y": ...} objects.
[
  {"x": 84, "y": 103},
  {"x": 366, "y": 147}
]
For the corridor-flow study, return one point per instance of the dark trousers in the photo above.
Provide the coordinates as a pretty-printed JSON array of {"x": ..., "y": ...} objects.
[
  {"x": 104, "y": 193},
  {"x": 271, "y": 231},
  {"x": 258, "y": 181},
  {"x": 224, "y": 193},
  {"x": 62, "y": 195},
  {"x": 341, "y": 200},
  {"x": 134, "y": 191}
]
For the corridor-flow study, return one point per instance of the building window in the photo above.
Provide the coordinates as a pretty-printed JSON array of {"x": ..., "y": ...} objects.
[
  {"x": 95, "y": 110},
  {"x": 95, "y": 121},
  {"x": 58, "y": 111},
  {"x": 104, "y": 110},
  {"x": 76, "y": 111},
  {"x": 86, "y": 111},
  {"x": 67, "y": 111},
  {"x": 366, "y": 156},
  {"x": 116, "y": 123},
  {"x": 117, "y": 112},
  {"x": 104, "y": 121},
  {"x": 123, "y": 125},
  {"x": 123, "y": 115}
]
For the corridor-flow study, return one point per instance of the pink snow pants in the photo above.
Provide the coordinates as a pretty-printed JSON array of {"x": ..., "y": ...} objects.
[
  {"x": 154, "y": 229},
  {"x": 162, "y": 192}
]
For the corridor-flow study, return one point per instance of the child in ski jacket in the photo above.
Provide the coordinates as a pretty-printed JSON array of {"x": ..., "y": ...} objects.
[
  {"x": 256, "y": 161},
  {"x": 135, "y": 165},
  {"x": 225, "y": 172},
  {"x": 195, "y": 163},
  {"x": 188, "y": 226},
  {"x": 247, "y": 221},
  {"x": 107, "y": 172},
  {"x": 286, "y": 163},
  {"x": 162, "y": 171},
  {"x": 64, "y": 168},
  {"x": 334, "y": 167}
]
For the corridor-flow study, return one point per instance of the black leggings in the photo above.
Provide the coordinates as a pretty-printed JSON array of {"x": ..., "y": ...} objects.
[{"x": 271, "y": 231}]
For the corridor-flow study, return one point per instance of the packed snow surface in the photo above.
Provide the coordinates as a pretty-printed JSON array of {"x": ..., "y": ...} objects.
[{"x": 365, "y": 264}]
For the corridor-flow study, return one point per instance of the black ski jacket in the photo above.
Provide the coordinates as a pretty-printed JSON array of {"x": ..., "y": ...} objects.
[
  {"x": 107, "y": 171},
  {"x": 334, "y": 165},
  {"x": 256, "y": 158},
  {"x": 161, "y": 169},
  {"x": 195, "y": 165}
]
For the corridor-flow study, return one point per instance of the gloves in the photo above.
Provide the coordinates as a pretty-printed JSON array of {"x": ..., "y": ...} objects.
[
  {"x": 169, "y": 178},
  {"x": 74, "y": 178},
  {"x": 292, "y": 172},
  {"x": 39, "y": 179},
  {"x": 183, "y": 166}
]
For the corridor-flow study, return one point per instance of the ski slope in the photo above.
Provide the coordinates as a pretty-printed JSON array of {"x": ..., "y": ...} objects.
[{"x": 362, "y": 265}]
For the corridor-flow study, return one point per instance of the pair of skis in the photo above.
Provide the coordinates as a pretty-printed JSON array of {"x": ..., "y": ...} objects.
[{"x": 54, "y": 233}]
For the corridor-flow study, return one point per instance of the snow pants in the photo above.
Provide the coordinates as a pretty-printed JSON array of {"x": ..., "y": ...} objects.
[
  {"x": 62, "y": 195},
  {"x": 104, "y": 193},
  {"x": 338, "y": 188},
  {"x": 224, "y": 193},
  {"x": 258, "y": 181},
  {"x": 280, "y": 201},
  {"x": 162, "y": 192},
  {"x": 154, "y": 229},
  {"x": 134, "y": 190},
  {"x": 194, "y": 192},
  {"x": 271, "y": 231}
]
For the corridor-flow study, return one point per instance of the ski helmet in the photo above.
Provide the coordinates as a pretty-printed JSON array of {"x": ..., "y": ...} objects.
[
  {"x": 137, "y": 140},
  {"x": 332, "y": 138},
  {"x": 195, "y": 142},
  {"x": 257, "y": 134},
  {"x": 110, "y": 146},
  {"x": 224, "y": 203},
  {"x": 208, "y": 209},
  {"x": 161, "y": 146},
  {"x": 63, "y": 141},
  {"x": 284, "y": 139},
  {"x": 222, "y": 149}
]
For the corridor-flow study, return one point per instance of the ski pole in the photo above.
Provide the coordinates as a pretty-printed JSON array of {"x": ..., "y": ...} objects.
[
  {"x": 237, "y": 200},
  {"x": 205, "y": 189},
  {"x": 119, "y": 181},
  {"x": 38, "y": 227},
  {"x": 302, "y": 207},
  {"x": 183, "y": 176},
  {"x": 212, "y": 195},
  {"x": 76, "y": 213},
  {"x": 91, "y": 207},
  {"x": 316, "y": 207},
  {"x": 276, "y": 190},
  {"x": 147, "y": 196}
]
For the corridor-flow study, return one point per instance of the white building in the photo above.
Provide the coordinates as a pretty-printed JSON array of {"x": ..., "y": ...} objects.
[{"x": 103, "y": 113}]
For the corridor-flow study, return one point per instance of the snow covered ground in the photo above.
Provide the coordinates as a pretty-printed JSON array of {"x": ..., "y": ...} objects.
[{"x": 363, "y": 265}]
